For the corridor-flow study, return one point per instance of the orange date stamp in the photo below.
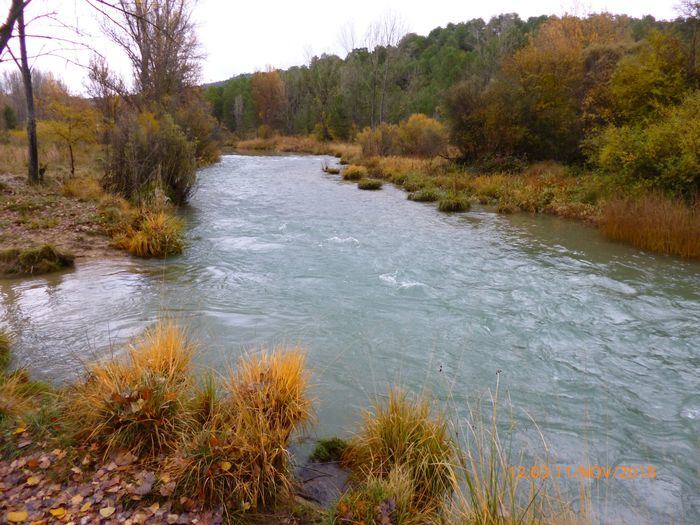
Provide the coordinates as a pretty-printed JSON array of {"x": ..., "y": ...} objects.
[{"x": 604, "y": 472}]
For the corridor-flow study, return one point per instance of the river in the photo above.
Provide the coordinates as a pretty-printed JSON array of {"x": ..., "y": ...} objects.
[{"x": 597, "y": 342}]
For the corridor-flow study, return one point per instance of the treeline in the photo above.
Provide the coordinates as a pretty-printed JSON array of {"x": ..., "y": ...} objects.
[{"x": 616, "y": 92}]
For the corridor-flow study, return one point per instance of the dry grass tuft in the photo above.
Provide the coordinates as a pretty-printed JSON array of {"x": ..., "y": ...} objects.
[
  {"x": 240, "y": 455},
  {"x": 154, "y": 234},
  {"x": 137, "y": 403},
  {"x": 354, "y": 172},
  {"x": 403, "y": 433},
  {"x": 654, "y": 223},
  {"x": 369, "y": 184},
  {"x": 83, "y": 188},
  {"x": 5, "y": 344}
]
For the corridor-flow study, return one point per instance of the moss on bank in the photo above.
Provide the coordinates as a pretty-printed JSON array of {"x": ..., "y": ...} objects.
[{"x": 34, "y": 261}]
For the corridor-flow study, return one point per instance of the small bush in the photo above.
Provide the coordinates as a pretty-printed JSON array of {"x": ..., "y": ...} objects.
[
  {"x": 153, "y": 235},
  {"x": 653, "y": 223},
  {"x": 454, "y": 203},
  {"x": 425, "y": 195},
  {"x": 402, "y": 433},
  {"x": 148, "y": 150},
  {"x": 369, "y": 184},
  {"x": 382, "y": 140},
  {"x": 34, "y": 261},
  {"x": 330, "y": 449},
  {"x": 331, "y": 170},
  {"x": 137, "y": 403},
  {"x": 354, "y": 172},
  {"x": 422, "y": 136}
]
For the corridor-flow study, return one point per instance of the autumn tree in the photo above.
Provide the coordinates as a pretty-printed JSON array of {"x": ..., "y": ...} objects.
[
  {"x": 73, "y": 122},
  {"x": 267, "y": 90}
]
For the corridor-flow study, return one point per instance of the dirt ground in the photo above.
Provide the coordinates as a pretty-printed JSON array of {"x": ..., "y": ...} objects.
[{"x": 34, "y": 215}]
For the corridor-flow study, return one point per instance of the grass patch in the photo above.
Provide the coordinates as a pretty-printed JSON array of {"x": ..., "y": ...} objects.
[
  {"x": 34, "y": 261},
  {"x": 5, "y": 344},
  {"x": 331, "y": 170},
  {"x": 454, "y": 203},
  {"x": 402, "y": 433},
  {"x": 369, "y": 184},
  {"x": 354, "y": 172},
  {"x": 329, "y": 449},
  {"x": 654, "y": 222},
  {"x": 153, "y": 234},
  {"x": 83, "y": 188},
  {"x": 138, "y": 403},
  {"x": 425, "y": 195}
]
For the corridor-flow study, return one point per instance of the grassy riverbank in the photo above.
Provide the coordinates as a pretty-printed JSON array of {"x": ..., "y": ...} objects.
[
  {"x": 74, "y": 213},
  {"x": 647, "y": 220},
  {"x": 148, "y": 438}
]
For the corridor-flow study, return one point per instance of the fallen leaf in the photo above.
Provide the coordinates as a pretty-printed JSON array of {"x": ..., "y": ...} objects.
[
  {"x": 172, "y": 518},
  {"x": 17, "y": 517},
  {"x": 33, "y": 480},
  {"x": 77, "y": 499},
  {"x": 154, "y": 508},
  {"x": 225, "y": 466},
  {"x": 32, "y": 463},
  {"x": 58, "y": 513},
  {"x": 106, "y": 512},
  {"x": 20, "y": 430},
  {"x": 24, "y": 443},
  {"x": 86, "y": 506}
]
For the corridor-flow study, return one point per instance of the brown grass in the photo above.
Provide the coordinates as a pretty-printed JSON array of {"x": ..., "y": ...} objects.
[
  {"x": 240, "y": 454},
  {"x": 655, "y": 223},
  {"x": 290, "y": 144},
  {"x": 154, "y": 234},
  {"x": 138, "y": 403}
]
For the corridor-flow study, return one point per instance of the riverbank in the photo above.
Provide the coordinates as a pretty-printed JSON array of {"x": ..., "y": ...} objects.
[
  {"x": 75, "y": 215},
  {"x": 146, "y": 438},
  {"x": 645, "y": 220}
]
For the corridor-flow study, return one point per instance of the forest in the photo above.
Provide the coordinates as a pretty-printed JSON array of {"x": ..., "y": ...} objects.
[{"x": 611, "y": 92}]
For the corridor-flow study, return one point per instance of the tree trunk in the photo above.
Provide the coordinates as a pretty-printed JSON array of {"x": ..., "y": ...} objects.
[
  {"x": 72, "y": 160},
  {"x": 33, "y": 149}
]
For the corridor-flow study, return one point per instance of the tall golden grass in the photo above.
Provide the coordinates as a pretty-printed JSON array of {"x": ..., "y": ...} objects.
[
  {"x": 240, "y": 455},
  {"x": 140, "y": 402},
  {"x": 654, "y": 222},
  {"x": 153, "y": 234}
]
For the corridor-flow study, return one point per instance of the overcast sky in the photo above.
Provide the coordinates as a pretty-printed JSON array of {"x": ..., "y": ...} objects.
[{"x": 239, "y": 37}]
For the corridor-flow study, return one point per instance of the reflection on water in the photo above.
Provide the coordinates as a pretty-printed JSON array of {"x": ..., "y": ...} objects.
[{"x": 597, "y": 341}]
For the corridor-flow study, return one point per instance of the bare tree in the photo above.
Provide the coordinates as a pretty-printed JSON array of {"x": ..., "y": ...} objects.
[
  {"x": 690, "y": 10},
  {"x": 158, "y": 37},
  {"x": 16, "y": 10},
  {"x": 33, "y": 166}
]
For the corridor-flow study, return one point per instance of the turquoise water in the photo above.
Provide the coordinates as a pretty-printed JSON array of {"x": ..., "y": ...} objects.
[{"x": 597, "y": 342}]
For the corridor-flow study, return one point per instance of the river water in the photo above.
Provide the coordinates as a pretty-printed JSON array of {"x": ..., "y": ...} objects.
[{"x": 596, "y": 342}]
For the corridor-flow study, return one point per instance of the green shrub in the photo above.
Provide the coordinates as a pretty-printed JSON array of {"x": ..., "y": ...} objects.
[
  {"x": 354, "y": 172},
  {"x": 149, "y": 151},
  {"x": 425, "y": 195},
  {"x": 34, "y": 261},
  {"x": 454, "y": 202},
  {"x": 369, "y": 184},
  {"x": 663, "y": 153}
]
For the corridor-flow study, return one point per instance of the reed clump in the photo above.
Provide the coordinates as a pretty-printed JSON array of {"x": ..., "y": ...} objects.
[
  {"x": 241, "y": 452},
  {"x": 140, "y": 402},
  {"x": 425, "y": 195},
  {"x": 354, "y": 172},
  {"x": 369, "y": 184},
  {"x": 403, "y": 433},
  {"x": 454, "y": 203},
  {"x": 152, "y": 234},
  {"x": 654, "y": 222}
]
